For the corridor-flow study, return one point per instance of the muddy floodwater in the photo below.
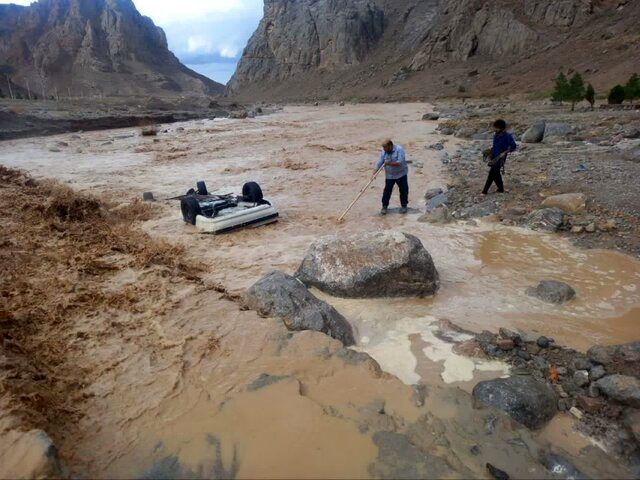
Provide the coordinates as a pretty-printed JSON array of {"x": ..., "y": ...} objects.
[{"x": 177, "y": 410}]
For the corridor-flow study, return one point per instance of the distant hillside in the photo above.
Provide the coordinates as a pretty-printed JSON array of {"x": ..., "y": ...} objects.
[
  {"x": 422, "y": 48},
  {"x": 91, "y": 47}
]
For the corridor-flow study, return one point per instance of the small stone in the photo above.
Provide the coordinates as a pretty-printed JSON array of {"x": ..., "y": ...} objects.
[
  {"x": 523, "y": 354},
  {"x": 576, "y": 413},
  {"x": 597, "y": 372},
  {"x": 432, "y": 192},
  {"x": 593, "y": 391},
  {"x": 581, "y": 363},
  {"x": 433, "y": 116},
  {"x": 492, "y": 350},
  {"x": 581, "y": 378},
  {"x": 589, "y": 404},
  {"x": 608, "y": 226},
  {"x": 560, "y": 391},
  {"x": 533, "y": 348},
  {"x": 577, "y": 229},
  {"x": 475, "y": 450},
  {"x": 497, "y": 473},
  {"x": 552, "y": 291},
  {"x": 506, "y": 344},
  {"x": 591, "y": 228},
  {"x": 569, "y": 386},
  {"x": 511, "y": 335},
  {"x": 562, "y": 405},
  {"x": 562, "y": 371},
  {"x": 541, "y": 364},
  {"x": 543, "y": 342}
]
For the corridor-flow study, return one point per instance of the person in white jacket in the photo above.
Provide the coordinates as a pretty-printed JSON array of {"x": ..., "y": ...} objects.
[{"x": 397, "y": 172}]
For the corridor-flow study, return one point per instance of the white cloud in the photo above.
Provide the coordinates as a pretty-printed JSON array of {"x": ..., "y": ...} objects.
[
  {"x": 199, "y": 44},
  {"x": 170, "y": 11}
]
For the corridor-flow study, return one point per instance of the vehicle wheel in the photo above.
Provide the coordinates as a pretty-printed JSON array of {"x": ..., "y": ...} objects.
[
  {"x": 190, "y": 209},
  {"x": 252, "y": 192},
  {"x": 202, "y": 188}
]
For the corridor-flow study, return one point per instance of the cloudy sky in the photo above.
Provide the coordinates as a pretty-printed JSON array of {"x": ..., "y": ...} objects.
[{"x": 207, "y": 35}]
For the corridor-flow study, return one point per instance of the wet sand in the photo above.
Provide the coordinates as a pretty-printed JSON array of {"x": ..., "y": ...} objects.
[{"x": 311, "y": 162}]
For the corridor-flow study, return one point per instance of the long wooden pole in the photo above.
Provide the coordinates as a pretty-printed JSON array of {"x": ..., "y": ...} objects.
[
  {"x": 360, "y": 194},
  {"x": 10, "y": 89}
]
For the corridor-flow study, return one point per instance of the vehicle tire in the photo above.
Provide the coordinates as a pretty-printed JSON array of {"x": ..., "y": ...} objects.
[
  {"x": 202, "y": 188},
  {"x": 252, "y": 192},
  {"x": 190, "y": 209}
]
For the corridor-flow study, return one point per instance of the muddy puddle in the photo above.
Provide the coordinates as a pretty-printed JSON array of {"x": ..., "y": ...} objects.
[{"x": 316, "y": 409}]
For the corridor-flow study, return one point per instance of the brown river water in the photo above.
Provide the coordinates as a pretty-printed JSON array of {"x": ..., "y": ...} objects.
[{"x": 181, "y": 410}]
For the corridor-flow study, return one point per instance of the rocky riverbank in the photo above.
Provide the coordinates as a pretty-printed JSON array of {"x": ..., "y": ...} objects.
[
  {"x": 600, "y": 388},
  {"x": 575, "y": 172}
]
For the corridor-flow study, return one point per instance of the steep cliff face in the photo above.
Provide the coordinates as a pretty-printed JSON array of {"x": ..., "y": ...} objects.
[
  {"x": 328, "y": 48},
  {"x": 88, "y": 47},
  {"x": 300, "y": 36}
]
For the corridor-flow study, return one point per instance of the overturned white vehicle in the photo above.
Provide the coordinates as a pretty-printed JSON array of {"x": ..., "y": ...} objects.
[{"x": 224, "y": 213}]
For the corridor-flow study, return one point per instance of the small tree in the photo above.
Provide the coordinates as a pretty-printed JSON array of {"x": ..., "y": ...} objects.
[
  {"x": 561, "y": 88},
  {"x": 590, "y": 96},
  {"x": 576, "y": 91},
  {"x": 617, "y": 95},
  {"x": 632, "y": 88}
]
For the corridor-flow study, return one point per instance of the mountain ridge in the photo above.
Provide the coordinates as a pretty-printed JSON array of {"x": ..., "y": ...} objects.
[
  {"x": 423, "y": 48},
  {"x": 92, "y": 47}
]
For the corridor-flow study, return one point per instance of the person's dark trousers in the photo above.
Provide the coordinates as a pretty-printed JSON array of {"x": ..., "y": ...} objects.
[
  {"x": 403, "y": 185},
  {"x": 494, "y": 176}
]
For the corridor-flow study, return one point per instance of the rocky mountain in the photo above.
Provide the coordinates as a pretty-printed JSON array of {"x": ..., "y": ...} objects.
[
  {"x": 91, "y": 47},
  {"x": 416, "y": 48}
]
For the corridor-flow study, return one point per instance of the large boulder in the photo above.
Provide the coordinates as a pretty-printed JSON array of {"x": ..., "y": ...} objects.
[
  {"x": 546, "y": 219},
  {"x": 622, "y": 388},
  {"x": 552, "y": 291},
  {"x": 370, "y": 265},
  {"x": 623, "y": 359},
  {"x": 567, "y": 202},
  {"x": 526, "y": 400},
  {"x": 555, "y": 131},
  {"x": 282, "y": 296},
  {"x": 535, "y": 133}
]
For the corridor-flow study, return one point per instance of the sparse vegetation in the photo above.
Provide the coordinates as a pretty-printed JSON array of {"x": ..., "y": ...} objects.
[
  {"x": 561, "y": 88},
  {"x": 572, "y": 90},
  {"x": 576, "y": 91},
  {"x": 590, "y": 96},
  {"x": 632, "y": 88},
  {"x": 616, "y": 95}
]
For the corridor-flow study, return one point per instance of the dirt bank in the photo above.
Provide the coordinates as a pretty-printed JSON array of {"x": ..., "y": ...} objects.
[
  {"x": 176, "y": 374},
  {"x": 25, "y": 118}
]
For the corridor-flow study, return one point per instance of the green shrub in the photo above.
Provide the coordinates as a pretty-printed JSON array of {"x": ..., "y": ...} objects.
[{"x": 616, "y": 95}]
